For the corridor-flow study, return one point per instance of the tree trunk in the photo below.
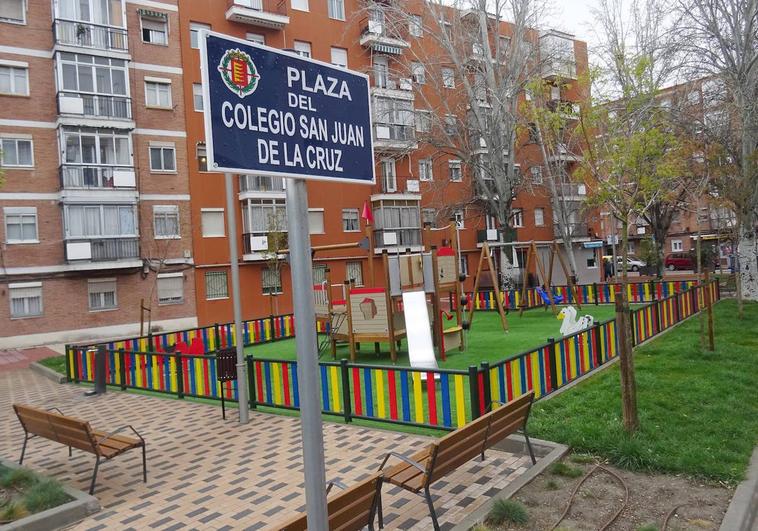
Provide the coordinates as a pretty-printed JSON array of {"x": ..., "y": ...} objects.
[
  {"x": 624, "y": 331},
  {"x": 660, "y": 246},
  {"x": 747, "y": 261}
]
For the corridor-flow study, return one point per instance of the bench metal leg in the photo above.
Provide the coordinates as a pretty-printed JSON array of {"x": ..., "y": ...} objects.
[
  {"x": 94, "y": 476},
  {"x": 433, "y": 514},
  {"x": 529, "y": 447},
  {"x": 23, "y": 449},
  {"x": 144, "y": 463},
  {"x": 379, "y": 509},
  {"x": 69, "y": 451}
]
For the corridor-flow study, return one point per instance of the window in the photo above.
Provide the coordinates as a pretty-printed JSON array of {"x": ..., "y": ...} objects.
[
  {"x": 416, "y": 26},
  {"x": 350, "y": 220},
  {"x": 170, "y": 288},
  {"x": 212, "y": 222},
  {"x": 463, "y": 265},
  {"x": 195, "y": 29},
  {"x": 197, "y": 96},
  {"x": 158, "y": 94},
  {"x": 389, "y": 176},
  {"x": 591, "y": 262},
  {"x": 300, "y": 5},
  {"x": 448, "y": 78},
  {"x": 555, "y": 92},
  {"x": 533, "y": 133},
  {"x": 101, "y": 83},
  {"x": 303, "y": 48},
  {"x": 539, "y": 217},
  {"x": 517, "y": 218},
  {"x": 257, "y": 38},
  {"x": 536, "y": 172},
  {"x": 397, "y": 222},
  {"x": 425, "y": 170},
  {"x": 26, "y": 299},
  {"x": 423, "y": 121},
  {"x": 162, "y": 158},
  {"x": 215, "y": 285},
  {"x": 94, "y": 221},
  {"x": 319, "y": 274},
  {"x": 676, "y": 245},
  {"x": 451, "y": 125},
  {"x": 21, "y": 225},
  {"x": 418, "y": 72},
  {"x": 14, "y": 80},
  {"x": 13, "y": 11},
  {"x": 336, "y": 9},
  {"x": 99, "y": 12},
  {"x": 102, "y": 294},
  {"x": 155, "y": 30},
  {"x": 202, "y": 157},
  {"x": 429, "y": 215},
  {"x": 264, "y": 216},
  {"x": 460, "y": 219},
  {"x": 272, "y": 281},
  {"x": 339, "y": 57},
  {"x": 456, "y": 172},
  {"x": 166, "y": 222},
  {"x": 16, "y": 153},
  {"x": 315, "y": 221},
  {"x": 354, "y": 272}
]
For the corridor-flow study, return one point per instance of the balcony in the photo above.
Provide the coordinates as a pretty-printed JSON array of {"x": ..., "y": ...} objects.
[
  {"x": 486, "y": 235},
  {"x": 102, "y": 249},
  {"x": 377, "y": 36},
  {"x": 384, "y": 85},
  {"x": 255, "y": 245},
  {"x": 401, "y": 238},
  {"x": 568, "y": 110},
  {"x": 578, "y": 230},
  {"x": 557, "y": 69},
  {"x": 89, "y": 35},
  {"x": 94, "y": 106},
  {"x": 271, "y": 14},
  {"x": 564, "y": 154},
  {"x": 572, "y": 191},
  {"x": 78, "y": 177},
  {"x": 394, "y": 137}
]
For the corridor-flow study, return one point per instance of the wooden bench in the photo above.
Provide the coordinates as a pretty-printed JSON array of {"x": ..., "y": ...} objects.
[
  {"x": 75, "y": 433},
  {"x": 351, "y": 510},
  {"x": 417, "y": 473}
]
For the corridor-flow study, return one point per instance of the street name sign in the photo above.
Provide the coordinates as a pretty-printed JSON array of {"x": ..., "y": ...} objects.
[{"x": 273, "y": 112}]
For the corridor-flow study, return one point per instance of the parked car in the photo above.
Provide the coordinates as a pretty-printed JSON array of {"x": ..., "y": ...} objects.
[
  {"x": 632, "y": 263},
  {"x": 680, "y": 261}
]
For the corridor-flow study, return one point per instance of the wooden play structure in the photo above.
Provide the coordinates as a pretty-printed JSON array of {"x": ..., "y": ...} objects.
[
  {"x": 546, "y": 293},
  {"x": 485, "y": 258}
]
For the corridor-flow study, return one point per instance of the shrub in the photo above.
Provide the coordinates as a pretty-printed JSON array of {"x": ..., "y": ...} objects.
[
  {"x": 508, "y": 511},
  {"x": 562, "y": 469},
  {"x": 18, "y": 478},
  {"x": 46, "y": 494}
]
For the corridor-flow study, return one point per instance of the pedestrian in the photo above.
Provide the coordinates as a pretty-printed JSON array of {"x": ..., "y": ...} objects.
[{"x": 607, "y": 269}]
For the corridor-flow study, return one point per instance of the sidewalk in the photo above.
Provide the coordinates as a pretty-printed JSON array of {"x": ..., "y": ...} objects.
[{"x": 21, "y": 358}]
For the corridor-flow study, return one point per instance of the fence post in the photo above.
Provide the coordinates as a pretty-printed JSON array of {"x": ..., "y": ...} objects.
[
  {"x": 653, "y": 296},
  {"x": 150, "y": 346},
  {"x": 345, "y": 390},
  {"x": 99, "y": 370},
  {"x": 597, "y": 296},
  {"x": 68, "y": 363},
  {"x": 677, "y": 307},
  {"x": 251, "y": 383},
  {"x": 75, "y": 353},
  {"x": 217, "y": 336},
  {"x": 122, "y": 368},
  {"x": 485, "y": 368},
  {"x": 553, "y": 365},
  {"x": 632, "y": 327},
  {"x": 598, "y": 345},
  {"x": 657, "y": 316},
  {"x": 709, "y": 309},
  {"x": 473, "y": 384},
  {"x": 179, "y": 376}
]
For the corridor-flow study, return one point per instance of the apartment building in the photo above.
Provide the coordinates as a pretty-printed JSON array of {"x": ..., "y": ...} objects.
[
  {"x": 415, "y": 183},
  {"x": 96, "y": 230}
]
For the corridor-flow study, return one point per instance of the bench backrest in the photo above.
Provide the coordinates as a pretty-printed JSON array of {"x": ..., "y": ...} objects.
[
  {"x": 458, "y": 447},
  {"x": 508, "y": 418},
  {"x": 65, "y": 430},
  {"x": 350, "y": 510}
]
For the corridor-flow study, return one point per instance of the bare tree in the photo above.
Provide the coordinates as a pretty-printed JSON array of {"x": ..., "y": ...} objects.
[{"x": 722, "y": 39}]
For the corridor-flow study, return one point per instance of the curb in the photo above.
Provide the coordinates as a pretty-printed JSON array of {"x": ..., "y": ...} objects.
[
  {"x": 77, "y": 509},
  {"x": 47, "y": 372},
  {"x": 547, "y": 453},
  {"x": 742, "y": 513}
]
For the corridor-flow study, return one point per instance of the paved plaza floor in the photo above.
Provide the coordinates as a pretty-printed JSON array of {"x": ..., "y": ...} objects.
[{"x": 206, "y": 473}]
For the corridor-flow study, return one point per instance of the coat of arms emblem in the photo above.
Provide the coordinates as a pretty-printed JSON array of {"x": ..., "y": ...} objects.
[{"x": 239, "y": 72}]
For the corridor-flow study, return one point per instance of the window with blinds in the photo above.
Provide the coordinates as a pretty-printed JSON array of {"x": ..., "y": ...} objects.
[
  {"x": 216, "y": 286},
  {"x": 26, "y": 299},
  {"x": 166, "y": 221},
  {"x": 272, "y": 281},
  {"x": 102, "y": 294},
  {"x": 212, "y": 223},
  {"x": 171, "y": 288},
  {"x": 13, "y": 11}
]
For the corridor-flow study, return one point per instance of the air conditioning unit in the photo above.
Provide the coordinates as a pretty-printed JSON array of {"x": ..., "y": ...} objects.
[
  {"x": 389, "y": 238},
  {"x": 491, "y": 235},
  {"x": 382, "y": 132},
  {"x": 259, "y": 243},
  {"x": 412, "y": 186},
  {"x": 581, "y": 189},
  {"x": 405, "y": 83},
  {"x": 124, "y": 178},
  {"x": 70, "y": 104},
  {"x": 78, "y": 251}
]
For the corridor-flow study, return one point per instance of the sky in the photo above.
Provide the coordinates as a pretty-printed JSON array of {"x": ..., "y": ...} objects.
[{"x": 573, "y": 16}]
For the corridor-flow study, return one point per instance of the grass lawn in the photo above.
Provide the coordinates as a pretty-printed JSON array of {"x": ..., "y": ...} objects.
[
  {"x": 486, "y": 340},
  {"x": 56, "y": 363},
  {"x": 698, "y": 410}
]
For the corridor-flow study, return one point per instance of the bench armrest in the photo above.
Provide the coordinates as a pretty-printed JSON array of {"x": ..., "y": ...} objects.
[
  {"x": 335, "y": 483},
  {"x": 122, "y": 428},
  {"x": 56, "y": 410},
  {"x": 407, "y": 460}
]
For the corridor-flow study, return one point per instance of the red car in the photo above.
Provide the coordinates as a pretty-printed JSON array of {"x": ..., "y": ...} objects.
[{"x": 680, "y": 261}]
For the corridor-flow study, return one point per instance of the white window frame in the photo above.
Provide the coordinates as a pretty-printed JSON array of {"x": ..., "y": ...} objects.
[
  {"x": 463, "y": 264},
  {"x": 217, "y": 274},
  {"x": 460, "y": 218},
  {"x": 315, "y": 212},
  {"x": 273, "y": 289},
  {"x": 303, "y": 48},
  {"x": 158, "y": 84},
  {"x": 25, "y": 285},
  {"x": 448, "y": 78},
  {"x": 223, "y": 223},
  {"x": 351, "y": 267},
  {"x": 300, "y": 5},
  {"x": 423, "y": 121},
  {"x": 16, "y": 139},
  {"x": 161, "y": 146},
  {"x": 98, "y": 282},
  {"x": 351, "y": 211},
  {"x": 454, "y": 164},
  {"x": 167, "y": 37},
  {"x": 428, "y": 215},
  {"x": 416, "y": 26},
  {"x": 165, "y": 211},
  {"x": 337, "y": 61},
  {"x": 22, "y": 212},
  {"x": 539, "y": 222},
  {"x": 336, "y": 9},
  {"x": 197, "y": 92},
  {"x": 21, "y": 22},
  {"x": 100, "y": 207},
  {"x": 257, "y": 38},
  {"x": 517, "y": 218},
  {"x": 195, "y": 28},
  {"x": 425, "y": 169},
  {"x": 536, "y": 172},
  {"x": 677, "y": 246},
  {"x": 13, "y": 67},
  {"x": 170, "y": 300},
  {"x": 389, "y": 186},
  {"x": 418, "y": 73}
]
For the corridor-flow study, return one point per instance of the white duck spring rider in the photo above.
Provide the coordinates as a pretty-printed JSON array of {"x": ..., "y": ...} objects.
[{"x": 571, "y": 324}]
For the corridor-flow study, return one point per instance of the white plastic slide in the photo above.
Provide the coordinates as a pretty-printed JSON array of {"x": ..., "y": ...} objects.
[{"x": 418, "y": 330}]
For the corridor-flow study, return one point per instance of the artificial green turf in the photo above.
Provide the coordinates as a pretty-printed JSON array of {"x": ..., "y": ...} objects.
[
  {"x": 485, "y": 341},
  {"x": 698, "y": 409}
]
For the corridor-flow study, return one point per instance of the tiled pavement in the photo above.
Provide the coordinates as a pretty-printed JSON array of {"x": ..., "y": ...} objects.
[
  {"x": 21, "y": 358},
  {"x": 204, "y": 473}
]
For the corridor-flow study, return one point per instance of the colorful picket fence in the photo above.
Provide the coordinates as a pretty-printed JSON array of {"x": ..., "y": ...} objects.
[{"x": 440, "y": 398}]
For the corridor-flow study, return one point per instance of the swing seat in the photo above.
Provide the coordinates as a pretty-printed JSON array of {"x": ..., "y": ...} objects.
[{"x": 557, "y": 299}]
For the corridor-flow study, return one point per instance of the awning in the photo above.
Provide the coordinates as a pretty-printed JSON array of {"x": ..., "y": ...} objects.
[
  {"x": 593, "y": 244},
  {"x": 152, "y": 14},
  {"x": 385, "y": 48}
]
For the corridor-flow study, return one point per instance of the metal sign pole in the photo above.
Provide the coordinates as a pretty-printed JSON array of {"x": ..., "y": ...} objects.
[
  {"x": 307, "y": 356},
  {"x": 236, "y": 300}
]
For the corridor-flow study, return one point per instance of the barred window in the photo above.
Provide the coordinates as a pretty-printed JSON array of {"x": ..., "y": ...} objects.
[
  {"x": 319, "y": 274},
  {"x": 354, "y": 272},
  {"x": 215, "y": 285},
  {"x": 272, "y": 281}
]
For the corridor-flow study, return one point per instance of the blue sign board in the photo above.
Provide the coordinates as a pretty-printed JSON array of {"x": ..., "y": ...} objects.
[{"x": 272, "y": 112}]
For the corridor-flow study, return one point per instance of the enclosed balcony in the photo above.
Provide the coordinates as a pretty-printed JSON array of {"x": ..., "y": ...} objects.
[
  {"x": 394, "y": 137},
  {"x": 89, "y": 35},
  {"x": 102, "y": 249},
  {"x": 89, "y": 177},
  {"x": 94, "y": 105},
  {"x": 270, "y": 14},
  {"x": 388, "y": 86},
  {"x": 377, "y": 34}
]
